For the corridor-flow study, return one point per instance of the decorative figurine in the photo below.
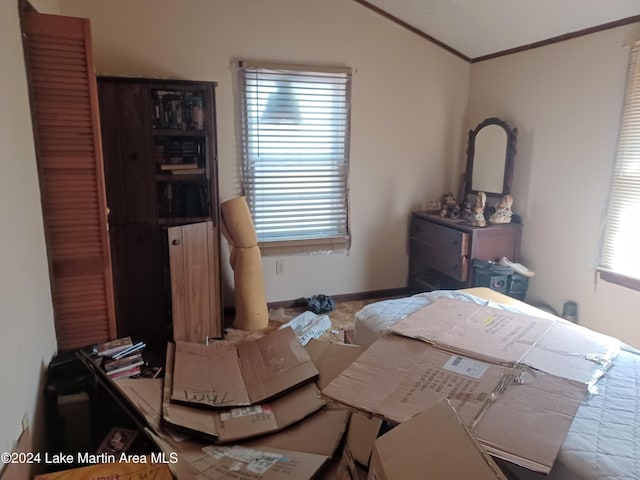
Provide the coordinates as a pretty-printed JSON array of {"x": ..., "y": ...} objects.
[
  {"x": 503, "y": 210},
  {"x": 449, "y": 200},
  {"x": 433, "y": 206},
  {"x": 478, "y": 219},
  {"x": 467, "y": 212}
]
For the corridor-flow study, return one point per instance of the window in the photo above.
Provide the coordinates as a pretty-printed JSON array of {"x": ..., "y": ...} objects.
[
  {"x": 295, "y": 155},
  {"x": 620, "y": 259}
]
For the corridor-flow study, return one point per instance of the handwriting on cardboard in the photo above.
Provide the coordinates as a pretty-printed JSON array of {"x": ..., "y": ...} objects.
[{"x": 224, "y": 375}]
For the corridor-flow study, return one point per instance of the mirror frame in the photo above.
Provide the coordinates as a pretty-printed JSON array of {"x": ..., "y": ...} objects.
[{"x": 510, "y": 152}]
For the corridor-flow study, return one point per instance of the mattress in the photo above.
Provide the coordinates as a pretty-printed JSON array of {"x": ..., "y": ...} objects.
[{"x": 602, "y": 442}]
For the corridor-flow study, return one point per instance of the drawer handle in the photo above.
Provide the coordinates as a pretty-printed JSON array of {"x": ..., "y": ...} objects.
[{"x": 175, "y": 242}]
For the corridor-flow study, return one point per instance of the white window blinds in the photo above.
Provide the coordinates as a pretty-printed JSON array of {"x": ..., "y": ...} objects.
[
  {"x": 295, "y": 152},
  {"x": 620, "y": 252}
]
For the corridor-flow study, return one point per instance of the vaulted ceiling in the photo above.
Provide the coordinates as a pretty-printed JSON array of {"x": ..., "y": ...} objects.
[{"x": 477, "y": 29}]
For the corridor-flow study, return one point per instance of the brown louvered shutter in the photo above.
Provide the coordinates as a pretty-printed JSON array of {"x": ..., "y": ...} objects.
[{"x": 67, "y": 135}]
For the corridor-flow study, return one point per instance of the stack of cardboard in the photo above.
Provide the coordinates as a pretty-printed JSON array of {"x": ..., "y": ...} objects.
[
  {"x": 241, "y": 387},
  {"x": 249, "y": 411},
  {"x": 431, "y": 400},
  {"x": 496, "y": 368}
]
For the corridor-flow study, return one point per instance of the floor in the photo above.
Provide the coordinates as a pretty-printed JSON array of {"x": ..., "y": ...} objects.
[{"x": 342, "y": 319}]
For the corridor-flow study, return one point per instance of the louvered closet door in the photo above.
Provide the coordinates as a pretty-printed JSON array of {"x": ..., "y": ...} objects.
[{"x": 65, "y": 115}]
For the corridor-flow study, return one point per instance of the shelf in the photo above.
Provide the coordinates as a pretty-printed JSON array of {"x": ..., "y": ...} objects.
[
  {"x": 176, "y": 132},
  {"x": 196, "y": 177},
  {"x": 181, "y": 220}
]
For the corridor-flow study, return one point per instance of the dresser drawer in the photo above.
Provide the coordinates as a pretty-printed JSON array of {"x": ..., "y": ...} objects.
[{"x": 440, "y": 248}]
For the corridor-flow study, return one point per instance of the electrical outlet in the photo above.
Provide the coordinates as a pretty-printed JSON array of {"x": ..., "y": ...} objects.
[{"x": 279, "y": 267}]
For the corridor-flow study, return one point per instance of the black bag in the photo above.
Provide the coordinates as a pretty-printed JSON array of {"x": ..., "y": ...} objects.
[{"x": 320, "y": 304}]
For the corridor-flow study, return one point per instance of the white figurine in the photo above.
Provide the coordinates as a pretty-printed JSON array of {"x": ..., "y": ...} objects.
[
  {"x": 478, "y": 219},
  {"x": 503, "y": 211}
]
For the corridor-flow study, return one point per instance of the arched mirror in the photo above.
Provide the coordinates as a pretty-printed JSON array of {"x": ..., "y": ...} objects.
[{"x": 490, "y": 152}]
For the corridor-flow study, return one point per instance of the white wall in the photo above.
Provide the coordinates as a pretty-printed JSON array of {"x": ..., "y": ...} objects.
[
  {"x": 566, "y": 101},
  {"x": 409, "y": 100},
  {"x": 28, "y": 341}
]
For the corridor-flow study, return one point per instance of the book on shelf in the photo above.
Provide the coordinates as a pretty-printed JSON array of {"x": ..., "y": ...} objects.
[
  {"x": 113, "y": 364},
  {"x": 178, "y": 109},
  {"x": 108, "y": 349},
  {"x": 177, "y": 166},
  {"x": 130, "y": 372},
  {"x": 119, "y": 371},
  {"x": 189, "y": 171}
]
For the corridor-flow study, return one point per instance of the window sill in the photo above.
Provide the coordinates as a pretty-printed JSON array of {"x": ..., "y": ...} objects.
[
  {"x": 314, "y": 246},
  {"x": 619, "y": 279}
]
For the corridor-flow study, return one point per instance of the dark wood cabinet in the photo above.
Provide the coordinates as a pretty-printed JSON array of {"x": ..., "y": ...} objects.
[
  {"x": 441, "y": 250},
  {"x": 159, "y": 149}
]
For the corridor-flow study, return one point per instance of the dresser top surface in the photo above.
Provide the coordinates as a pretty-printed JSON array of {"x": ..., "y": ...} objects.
[{"x": 460, "y": 224}]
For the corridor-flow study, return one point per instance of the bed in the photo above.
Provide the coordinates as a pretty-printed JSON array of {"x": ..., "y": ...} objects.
[{"x": 602, "y": 442}]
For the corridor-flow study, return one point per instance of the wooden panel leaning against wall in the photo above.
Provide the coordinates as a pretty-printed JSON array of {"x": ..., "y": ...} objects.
[{"x": 66, "y": 127}]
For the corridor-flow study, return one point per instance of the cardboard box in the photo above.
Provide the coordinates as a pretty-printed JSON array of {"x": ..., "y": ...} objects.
[
  {"x": 235, "y": 424},
  {"x": 320, "y": 433},
  {"x": 543, "y": 407},
  {"x": 361, "y": 435},
  {"x": 198, "y": 460},
  {"x": 102, "y": 471},
  {"x": 397, "y": 377},
  {"x": 343, "y": 467},
  {"x": 225, "y": 375},
  {"x": 264, "y": 463},
  {"x": 433, "y": 444},
  {"x": 331, "y": 359},
  {"x": 500, "y": 336}
]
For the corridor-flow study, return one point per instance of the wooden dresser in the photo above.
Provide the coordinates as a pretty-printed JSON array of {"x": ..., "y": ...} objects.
[{"x": 441, "y": 250}]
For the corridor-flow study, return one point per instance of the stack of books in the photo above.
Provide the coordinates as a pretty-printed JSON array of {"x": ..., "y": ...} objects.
[{"x": 122, "y": 358}]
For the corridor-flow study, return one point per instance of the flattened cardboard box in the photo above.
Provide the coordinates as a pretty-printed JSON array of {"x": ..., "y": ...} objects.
[
  {"x": 331, "y": 359},
  {"x": 224, "y": 375},
  {"x": 199, "y": 461},
  {"x": 397, "y": 377},
  {"x": 310, "y": 442},
  {"x": 362, "y": 433},
  {"x": 319, "y": 433},
  {"x": 235, "y": 424},
  {"x": 552, "y": 345},
  {"x": 145, "y": 395},
  {"x": 542, "y": 407},
  {"x": 433, "y": 444},
  {"x": 122, "y": 471}
]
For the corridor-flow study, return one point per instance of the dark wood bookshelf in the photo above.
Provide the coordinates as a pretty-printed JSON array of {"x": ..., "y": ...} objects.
[{"x": 150, "y": 127}]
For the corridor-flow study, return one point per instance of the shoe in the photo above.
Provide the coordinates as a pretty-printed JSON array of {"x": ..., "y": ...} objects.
[{"x": 516, "y": 267}]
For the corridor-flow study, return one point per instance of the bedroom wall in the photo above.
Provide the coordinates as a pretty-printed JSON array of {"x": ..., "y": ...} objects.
[
  {"x": 408, "y": 106},
  {"x": 28, "y": 340},
  {"x": 565, "y": 99}
]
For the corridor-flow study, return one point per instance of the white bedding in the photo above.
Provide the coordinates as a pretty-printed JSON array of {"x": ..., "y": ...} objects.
[{"x": 603, "y": 442}]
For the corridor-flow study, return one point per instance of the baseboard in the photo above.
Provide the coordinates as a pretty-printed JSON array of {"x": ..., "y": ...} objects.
[{"x": 347, "y": 297}]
